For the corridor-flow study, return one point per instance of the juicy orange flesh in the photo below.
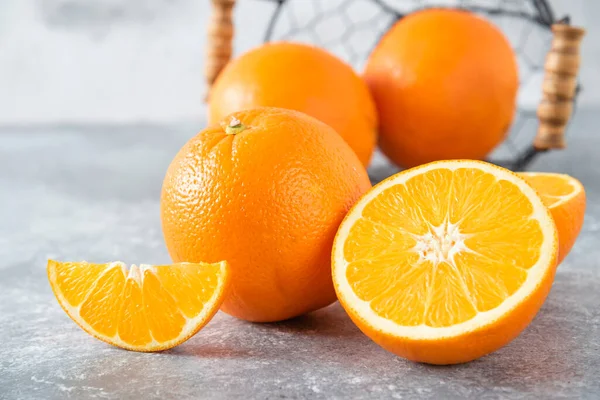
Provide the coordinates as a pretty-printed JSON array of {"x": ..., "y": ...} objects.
[
  {"x": 138, "y": 310},
  {"x": 75, "y": 282},
  {"x": 550, "y": 187},
  {"x": 103, "y": 302},
  {"x": 476, "y": 271},
  {"x": 193, "y": 288}
]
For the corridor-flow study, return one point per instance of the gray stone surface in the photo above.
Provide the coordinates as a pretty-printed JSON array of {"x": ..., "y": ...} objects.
[{"x": 92, "y": 193}]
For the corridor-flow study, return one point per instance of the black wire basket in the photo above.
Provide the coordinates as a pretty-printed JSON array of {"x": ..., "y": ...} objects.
[{"x": 350, "y": 29}]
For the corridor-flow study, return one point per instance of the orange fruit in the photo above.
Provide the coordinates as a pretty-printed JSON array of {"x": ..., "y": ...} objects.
[
  {"x": 302, "y": 78},
  {"x": 445, "y": 262},
  {"x": 565, "y": 197},
  {"x": 445, "y": 84},
  {"x": 148, "y": 308},
  {"x": 265, "y": 190}
]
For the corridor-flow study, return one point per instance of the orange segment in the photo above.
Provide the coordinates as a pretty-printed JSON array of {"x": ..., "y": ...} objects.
[
  {"x": 164, "y": 318},
  {"x": 75, "y": 283},
  {"x": 373, "y": 233},
  {"x": 133, "y": 327},
  {"x": 399, "y": 304},
  {"x": 489, "y": 282},
  {"x": 101, "y": 307},
  {"x": 434, "y": 256},
  {"x": 392, "y": 204},
  {"x": 193, "y": 287},
  {"x": 449, "y": 301},
  {"x": 499, "y": 243},
  {"x": 565, "y": 197},
  {"x": 145, "y": 308}
]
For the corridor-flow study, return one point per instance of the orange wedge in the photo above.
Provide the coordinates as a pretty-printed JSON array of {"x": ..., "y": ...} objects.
[
  {"x": 143, "y": 308},
  {"x": 445, "y": 262},
  {"x": 565, "y": 197}
]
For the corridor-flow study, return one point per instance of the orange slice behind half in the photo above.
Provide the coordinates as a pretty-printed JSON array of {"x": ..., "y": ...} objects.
[
  {"x": 565, "y": 197},
  {"x": 145, "y": 308},
  {"x": 445, "y": 262}
]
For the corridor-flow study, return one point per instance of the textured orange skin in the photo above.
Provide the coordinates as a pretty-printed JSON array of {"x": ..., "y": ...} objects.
[
  {"x": 569, "y": 220},
  {"x": 267, "y": 200},
  {"x": 301, "y": 78},
  {"x": 466, "y": 347},
  {"x": 445, "y": 85}
]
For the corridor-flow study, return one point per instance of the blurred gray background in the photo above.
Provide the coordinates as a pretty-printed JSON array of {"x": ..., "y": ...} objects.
[{"x": 123, "y": 62}]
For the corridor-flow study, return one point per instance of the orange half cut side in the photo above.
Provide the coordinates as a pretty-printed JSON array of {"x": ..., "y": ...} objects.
[{"x": 445, "y": 262}]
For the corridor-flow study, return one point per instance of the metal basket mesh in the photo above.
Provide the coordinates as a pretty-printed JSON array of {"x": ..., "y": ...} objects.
[{"x": 351, "y": 28}]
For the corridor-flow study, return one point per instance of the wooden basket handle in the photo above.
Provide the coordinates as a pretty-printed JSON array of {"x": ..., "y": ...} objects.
[
  {"x": 220, "y": 37},
  {"x": 559, "y": 86}
]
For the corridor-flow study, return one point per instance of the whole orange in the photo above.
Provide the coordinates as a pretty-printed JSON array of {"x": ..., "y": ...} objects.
[
  {"x": 445, "y": 84},
  {"x": 266, "y": 191},
  {"x": 302, "y": 78}
]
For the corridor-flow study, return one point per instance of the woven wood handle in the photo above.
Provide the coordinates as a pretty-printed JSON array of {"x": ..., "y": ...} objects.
[
  {"x": 220, "y": 37},
  {"x": 559, "y": 86}
]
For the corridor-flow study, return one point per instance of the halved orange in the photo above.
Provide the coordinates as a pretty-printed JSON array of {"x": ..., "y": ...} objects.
[
  {"x": 143, "y": 308},
  {"x": 445, "y": 262},
  {"x": 565, "y": 197}
]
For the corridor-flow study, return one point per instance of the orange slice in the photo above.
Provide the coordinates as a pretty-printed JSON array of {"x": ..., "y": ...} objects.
[
  {"x": 445, "y": 262},
  {"x": 565, "y": 197},
  {"x": 143, "y": 308}
]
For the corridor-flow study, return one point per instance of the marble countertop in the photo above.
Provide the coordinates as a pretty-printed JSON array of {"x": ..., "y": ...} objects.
[{"x": 91, "y": 192}]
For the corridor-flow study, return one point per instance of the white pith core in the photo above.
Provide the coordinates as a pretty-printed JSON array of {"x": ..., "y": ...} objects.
[
  {"x": 442, "y": 244},
  {"x": 233, "y": 122}
]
